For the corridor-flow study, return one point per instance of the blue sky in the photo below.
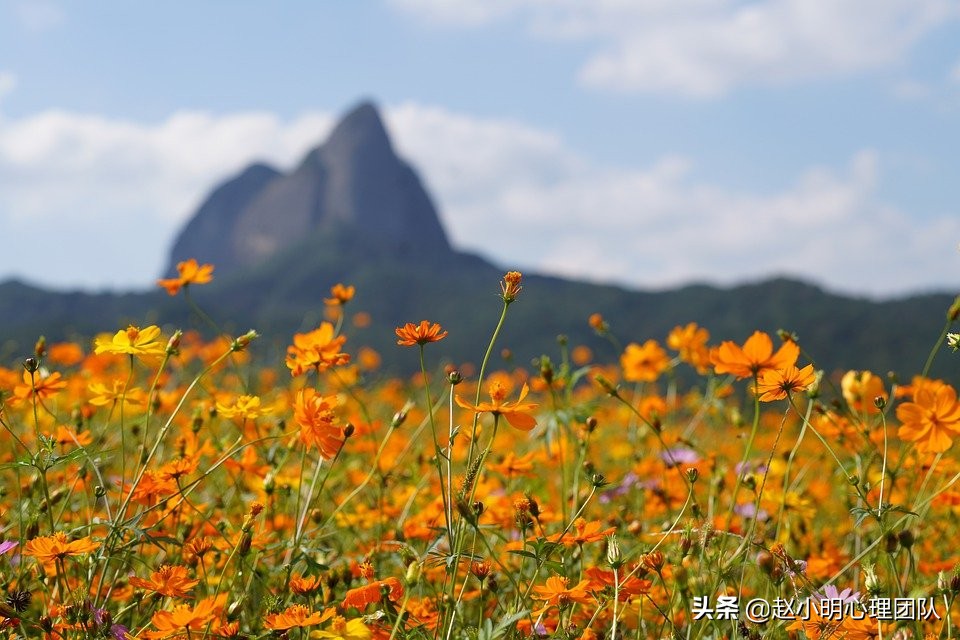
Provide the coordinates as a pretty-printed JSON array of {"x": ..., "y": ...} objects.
[{"x": 645, "y": 142}]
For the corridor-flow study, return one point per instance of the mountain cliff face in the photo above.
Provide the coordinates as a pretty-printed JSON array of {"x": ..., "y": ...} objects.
[{"x": 353, "y": 184}]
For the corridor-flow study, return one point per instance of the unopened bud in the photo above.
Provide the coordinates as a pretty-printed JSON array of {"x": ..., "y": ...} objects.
[
  {"x": 40, "y": 348},
  {"x": 614, "y": 556},
  {"x": 906, "y": 538},
  {"x": 348, "y": 430},
  {"x": 401, "y": 416},
  {"x": 413, "y": 573},
  {"x": 606, "y": 385},
  {"x": 31, "y": 364},
  {"x": 243, "y": 341},
  {"x": 954, "y": 311},
  {"x": 173, "y": 344}
]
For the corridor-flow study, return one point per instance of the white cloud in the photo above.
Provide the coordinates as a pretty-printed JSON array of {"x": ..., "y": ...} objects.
[
  {"x": 70, "y": 183},
  {"x": 39, "y": 15},
  {"x": 704, "y": 48},
  {"x": 8, "y": 82},
  {"x": 86, "y": 179}
]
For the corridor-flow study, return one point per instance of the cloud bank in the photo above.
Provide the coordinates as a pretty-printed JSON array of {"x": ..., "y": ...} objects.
[
  {"x": 706, "y": 48},
  {"x": 95, "y": 202}
]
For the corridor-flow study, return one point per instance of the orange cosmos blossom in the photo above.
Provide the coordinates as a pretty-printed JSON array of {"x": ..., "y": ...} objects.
[
  {"x": 691, "y": 343},
  {"x": 755, "y": 356},
  {"x": 931, "y": 419},
  {"x": 341, "y": 295},
  {"x": 189, "y": 272},
  {"x": 360, "y": 597},
  {"x": 38, "y": 386},
  {"x": 319, "y": 349},
  {"x": 516, "y": 413},
  {"x": 296, "y": 616},
  {"x": 57, "y": 547},
  {"x": 861, "y": 389},
  {"x": 411, "y": 334},
  {"x": 644, "y": 363},
  {"x": 510, "y": 286},
  {"x": 583, "y": 532},
  {"x": 168, "y": 580},
  {"x": 776, "y": 384},
  {"x": 185, "y": 618},
  {"x": 315, "y": 415},
  {"x": 556, "y": 592}
]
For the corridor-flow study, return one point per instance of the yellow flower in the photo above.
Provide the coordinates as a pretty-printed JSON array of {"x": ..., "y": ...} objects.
[
  {"x": 341, "y": 629},
  {"x": 245, "y": 408},
  {"x": 133, "y": 341}
]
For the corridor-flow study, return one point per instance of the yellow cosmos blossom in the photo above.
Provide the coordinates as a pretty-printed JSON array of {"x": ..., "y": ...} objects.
[
  {"x": 245, "y": 408},
  {"x": 133, "y": 341}
]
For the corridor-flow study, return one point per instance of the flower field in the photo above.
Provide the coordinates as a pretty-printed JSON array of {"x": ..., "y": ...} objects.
[{"x": 157, "y": 485}]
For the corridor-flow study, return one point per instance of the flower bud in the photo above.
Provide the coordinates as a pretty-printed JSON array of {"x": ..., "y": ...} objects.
[
  {"x": 173, "y": 344},
  {"x": 614, "y": 556},
  {"x": 243, "y": 341}
]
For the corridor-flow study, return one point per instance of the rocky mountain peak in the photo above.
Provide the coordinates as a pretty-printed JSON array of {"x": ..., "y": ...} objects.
[{"x": 354, "y": 184}]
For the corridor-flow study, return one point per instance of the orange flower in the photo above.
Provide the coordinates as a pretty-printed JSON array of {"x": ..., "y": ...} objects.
[
  {"x": 755, "y": 356},
  {"x": 58, "y": 546},
  {"x": 932, "y": 417},
  {"x": 39, "y": 386},
  {"x": 168, "y": 580},
  {"x": 184, "y": 617},
  {"x": 411, "y": 334},
  {"x": 133, "y": 341},
  {"x": 314, "y": 414},
  {"x": 296, "y": 616},
  {"x": 66, "y": 435},
  {"x": 318, "y": 349},
  {"x": 631, "y": 586},
  {"x": 691, "y": 343},
  {"x": 305, "y": 585},
  {"x": 776, "y": 384},
  {"x": 516, "y": 413},
  {"x": 582, "y": 533},
  {"x": 556, "y": 593},
  {"x": 190, "y": 272},
  {"x": 861, "y": 389},
  {"x": 644, "y": 364},
  {"x": 341, "y": 295},
  {"x": 510, "y": 286},
  {"x": 360, "y": 597}
]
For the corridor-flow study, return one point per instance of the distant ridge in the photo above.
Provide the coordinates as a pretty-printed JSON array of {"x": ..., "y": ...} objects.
[
  {"x": 353, "y": 212},
  {"x": 354, "y": 183}
]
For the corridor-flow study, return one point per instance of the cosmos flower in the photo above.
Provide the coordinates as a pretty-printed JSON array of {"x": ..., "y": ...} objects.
[{"x": 188, "y": 272}]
